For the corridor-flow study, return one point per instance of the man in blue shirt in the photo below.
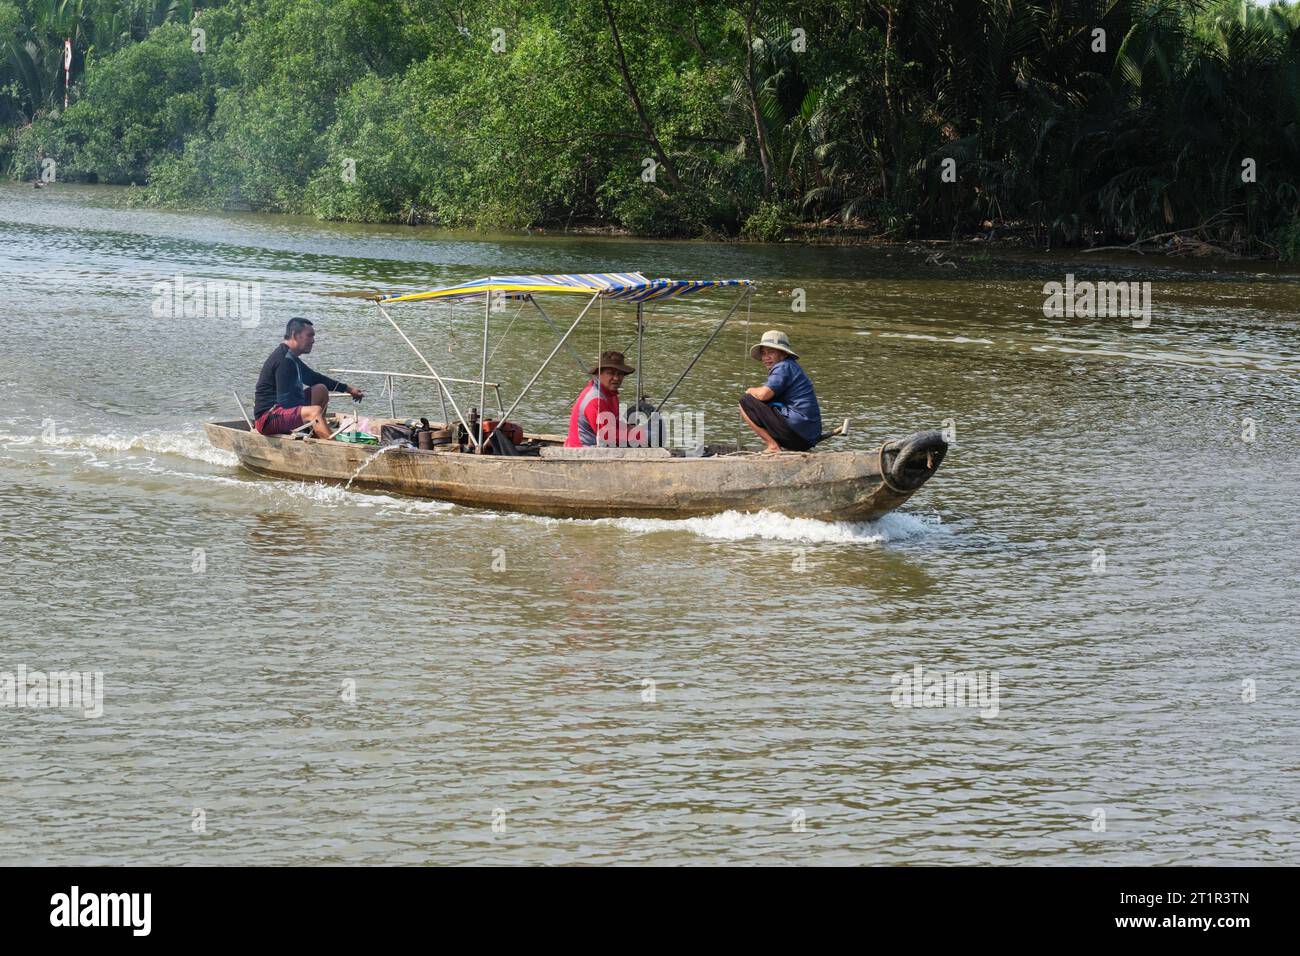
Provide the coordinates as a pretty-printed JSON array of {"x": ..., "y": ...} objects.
[{"x": 783, "y": 411}]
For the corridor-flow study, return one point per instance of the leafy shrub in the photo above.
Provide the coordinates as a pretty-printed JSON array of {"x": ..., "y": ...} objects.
[
  {"x": 1287, "y": 239},
  {"x": 768, "y": 223}
]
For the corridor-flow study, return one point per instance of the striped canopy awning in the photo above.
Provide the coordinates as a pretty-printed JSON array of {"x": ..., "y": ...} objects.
[{"x": 624, "y": 286}]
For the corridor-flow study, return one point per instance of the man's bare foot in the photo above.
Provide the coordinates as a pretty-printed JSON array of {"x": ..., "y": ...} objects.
[{"x": 772, "y": 450}]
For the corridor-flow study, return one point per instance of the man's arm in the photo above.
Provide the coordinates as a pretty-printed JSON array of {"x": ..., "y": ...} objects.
[
  {"x": 610, "y": 429},
  {"x": 591, "y": 413},
  {"x": 777, "y": 382},
  {"x": 312, "y": 377}
]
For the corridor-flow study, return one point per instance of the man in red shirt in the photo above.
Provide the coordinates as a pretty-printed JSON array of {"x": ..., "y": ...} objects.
[{"x": 595, "y": 417}]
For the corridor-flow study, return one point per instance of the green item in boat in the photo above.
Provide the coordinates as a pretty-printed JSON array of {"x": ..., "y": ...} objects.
[{"x": 356, "y": 438}]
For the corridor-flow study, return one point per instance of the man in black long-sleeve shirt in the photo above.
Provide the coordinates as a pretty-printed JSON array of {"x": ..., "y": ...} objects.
[{"x": 289, "y": 394}]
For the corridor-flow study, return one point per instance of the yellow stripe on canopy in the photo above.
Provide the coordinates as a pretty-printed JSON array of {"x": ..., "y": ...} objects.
[{"x": 623, "y": 286}]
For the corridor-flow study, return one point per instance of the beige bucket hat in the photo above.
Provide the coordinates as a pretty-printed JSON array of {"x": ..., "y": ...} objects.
[{"x": 773, "y": 339}]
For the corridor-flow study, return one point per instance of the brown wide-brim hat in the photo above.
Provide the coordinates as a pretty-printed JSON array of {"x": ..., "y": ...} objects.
[{"x": 613, "y": 360}]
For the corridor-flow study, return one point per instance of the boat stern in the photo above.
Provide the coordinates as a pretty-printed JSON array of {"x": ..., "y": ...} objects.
[{"x": 223, "y": 435}]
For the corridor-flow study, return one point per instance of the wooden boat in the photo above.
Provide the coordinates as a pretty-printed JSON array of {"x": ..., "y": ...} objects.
[
  {"x": 597, "y": 482},
  {"x": 608, "y": 482}
]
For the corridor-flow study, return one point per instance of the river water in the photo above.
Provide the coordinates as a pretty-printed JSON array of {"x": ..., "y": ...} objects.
[{"x": 296, "y": 673}]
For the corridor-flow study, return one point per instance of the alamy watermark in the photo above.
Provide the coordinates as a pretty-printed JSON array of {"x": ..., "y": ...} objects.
[
  {"x": 1127, "y": 300},
  {"x": 175, "y": 298},
  {"x": 75, "y": 908},
  {"x": 650, "y": 430},
  {"x": 916, "y": 688},
  {"x": 39, "y": 690}
]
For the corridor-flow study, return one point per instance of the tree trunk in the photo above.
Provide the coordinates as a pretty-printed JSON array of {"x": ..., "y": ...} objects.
[
  {"x": 890, "y": 127},
  {"x": 759, "y": 130},
  {"x": 646, "y": 126}
]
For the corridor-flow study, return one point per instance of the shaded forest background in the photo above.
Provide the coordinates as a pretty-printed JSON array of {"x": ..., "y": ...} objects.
[{"x": 758, "y": 119}]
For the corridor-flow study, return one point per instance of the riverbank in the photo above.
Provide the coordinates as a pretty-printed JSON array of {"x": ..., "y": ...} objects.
[
  {"x": 976, "y": 257},
  {"x": 990, "y": 237}
]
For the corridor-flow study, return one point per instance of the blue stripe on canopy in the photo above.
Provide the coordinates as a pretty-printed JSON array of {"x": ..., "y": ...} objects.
[{"x": 622, "y": 286}]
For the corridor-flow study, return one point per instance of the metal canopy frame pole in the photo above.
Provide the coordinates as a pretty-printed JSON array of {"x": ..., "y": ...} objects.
[
  {"x": 427, "y": 378},
  {"x": 640, "y": 328},
  {"x": 582, "y": 366},
  {"x": 442, "y": 392},
  {"x": 558, "y": 345},
  {"x": 748, "y": 291},
  {"x": 482, "y": 375},
  {"x": 441, "y": 387}
]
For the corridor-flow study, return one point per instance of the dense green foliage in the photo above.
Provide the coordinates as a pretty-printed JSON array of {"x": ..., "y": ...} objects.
[{"x": 907, "y": 117}]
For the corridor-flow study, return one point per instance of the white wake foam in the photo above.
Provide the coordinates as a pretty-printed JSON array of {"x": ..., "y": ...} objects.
[
  {"x": 769, "y": 525},
  {"x": 191, "y": 444},
  {"x": 333, "y": 496}
]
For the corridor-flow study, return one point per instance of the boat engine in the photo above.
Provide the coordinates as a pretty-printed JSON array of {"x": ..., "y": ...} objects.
[{"x": 509, "y": 429}]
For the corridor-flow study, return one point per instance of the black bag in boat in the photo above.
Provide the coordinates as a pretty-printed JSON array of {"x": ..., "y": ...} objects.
[
  {"x": 396, "y": 435},
  {"x": 497, "y": 443}
]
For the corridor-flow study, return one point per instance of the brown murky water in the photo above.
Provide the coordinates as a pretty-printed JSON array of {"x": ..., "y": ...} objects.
[{"x": 1103, "y": 537}]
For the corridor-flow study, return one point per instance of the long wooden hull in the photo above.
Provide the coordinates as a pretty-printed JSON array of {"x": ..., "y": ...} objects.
[{"x": 830, "y": 486}]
